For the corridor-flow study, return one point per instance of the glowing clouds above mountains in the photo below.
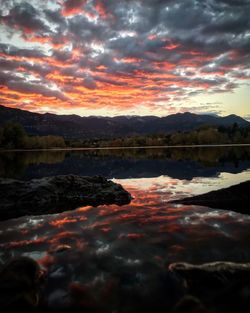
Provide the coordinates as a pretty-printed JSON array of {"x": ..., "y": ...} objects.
[{"x": 89, "y": 56}]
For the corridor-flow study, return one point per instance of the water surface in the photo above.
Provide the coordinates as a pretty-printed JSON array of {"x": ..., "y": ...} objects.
[{"x": 113, "y": 258}]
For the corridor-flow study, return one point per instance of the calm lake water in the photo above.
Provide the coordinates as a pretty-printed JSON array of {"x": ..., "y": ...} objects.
[{"x": 115, "y": 259}]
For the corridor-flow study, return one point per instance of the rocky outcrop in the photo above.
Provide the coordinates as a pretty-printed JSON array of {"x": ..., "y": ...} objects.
[
  {"x": 217, "y": 273},
  {"x": 214, "y": 287},
  {"x": 235, "y": 198},
  {"x": 56, "y": 194}
]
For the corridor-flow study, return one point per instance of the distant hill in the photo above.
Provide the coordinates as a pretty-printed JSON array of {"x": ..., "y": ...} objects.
[{"x": 74, "y": 126}]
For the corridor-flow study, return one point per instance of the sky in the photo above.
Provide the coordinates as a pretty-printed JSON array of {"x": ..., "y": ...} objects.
[{"x": 125, "y": 57}]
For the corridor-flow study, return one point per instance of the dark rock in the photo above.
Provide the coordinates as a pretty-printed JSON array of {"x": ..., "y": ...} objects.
[
  {"x": 235, "y": 198},
  {"x": 212, "y": 275},
  {"x": 221, "y": 286},
  {"x": 56, "y": 194},
  {"x": 189, "y": 304},
  {"x": 20, "y": 283}
]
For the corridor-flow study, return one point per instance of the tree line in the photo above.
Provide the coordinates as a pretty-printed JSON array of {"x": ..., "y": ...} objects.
[
  {"x": 201, "y": 136},
  {"x": 14, "y": 136}
]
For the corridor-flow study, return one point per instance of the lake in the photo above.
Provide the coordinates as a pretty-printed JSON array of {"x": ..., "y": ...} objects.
[{"x": 115, "y": 258}]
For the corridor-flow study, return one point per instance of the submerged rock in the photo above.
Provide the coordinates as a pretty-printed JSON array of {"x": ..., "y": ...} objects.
[
  {"x": 214, "y": 274},
  {"x": 189, "y": 304},
  {"x": 56, "y": 194},
  {"x": 222, "y": 286},
  {"x": 20, "y": 285},
  {"x": 235, "y": 198}
]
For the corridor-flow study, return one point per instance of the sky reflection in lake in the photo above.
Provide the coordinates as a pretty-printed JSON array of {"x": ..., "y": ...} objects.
[{"x": 103, "y": 254}]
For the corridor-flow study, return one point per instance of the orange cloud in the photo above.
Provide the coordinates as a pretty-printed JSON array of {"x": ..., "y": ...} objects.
[
  {"x": 101, "y": 9},
  {"x": 72, "y": 7}
]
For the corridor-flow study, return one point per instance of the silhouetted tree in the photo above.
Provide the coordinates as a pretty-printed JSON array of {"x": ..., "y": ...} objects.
[{"x": 13, "y": 136}]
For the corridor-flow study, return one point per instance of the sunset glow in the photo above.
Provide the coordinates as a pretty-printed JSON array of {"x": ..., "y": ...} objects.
[{"x": 150, "y": 57}]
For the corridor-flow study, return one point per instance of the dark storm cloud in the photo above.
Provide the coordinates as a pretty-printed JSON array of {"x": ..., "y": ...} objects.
[
  {"x": 109, "y": 81},
  {"x": 22, "y": 85},
  {"x": 234, "y": 2},
  {"x": 234, "y": 21},
  {"x": 55, "y": 17},
  {"x": 80, "y": 28},
  {"x": 27, "y": 87},
  {"x": 6, "y": 77},
  {"x": 12, "y": 50},
  {"x": 19, "y": 83},
  {"x": 62, "y": 55},
  {"x": 136, "y": 47},
  {"x": 7, "y": 65},
  {"x": 185, "y": 15},
  {"x": 38, "y": 69},
  {"x": 89, "y": 83},
  {"x": 25, "y": 17}
]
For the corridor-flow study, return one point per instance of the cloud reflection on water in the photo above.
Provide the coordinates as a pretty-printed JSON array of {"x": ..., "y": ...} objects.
[{"x": 109, "y": 251}]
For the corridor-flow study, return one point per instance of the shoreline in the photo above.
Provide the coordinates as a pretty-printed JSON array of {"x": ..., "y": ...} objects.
[
  {"x": 128, "y": 147},
  {"x": 233, "y": 198}
]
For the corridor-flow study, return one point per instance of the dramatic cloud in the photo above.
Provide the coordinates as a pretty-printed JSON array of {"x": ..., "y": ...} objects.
[
  {"x": 26, "y": 18},
  {"x": 126, "y": 56},
  {"x": 71, "y": 7}
]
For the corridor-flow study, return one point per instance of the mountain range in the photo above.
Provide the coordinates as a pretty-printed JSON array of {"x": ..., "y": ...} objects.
[{"x": 76, "y": 127}]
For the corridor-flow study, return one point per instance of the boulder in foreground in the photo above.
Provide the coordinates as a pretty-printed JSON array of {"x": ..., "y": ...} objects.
[
  {"x": 56, "y": 194},
  {"x": 219, "y": 287},
  {"x": 20, "y": 285},
  {"x": 235, "y": 198}
]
